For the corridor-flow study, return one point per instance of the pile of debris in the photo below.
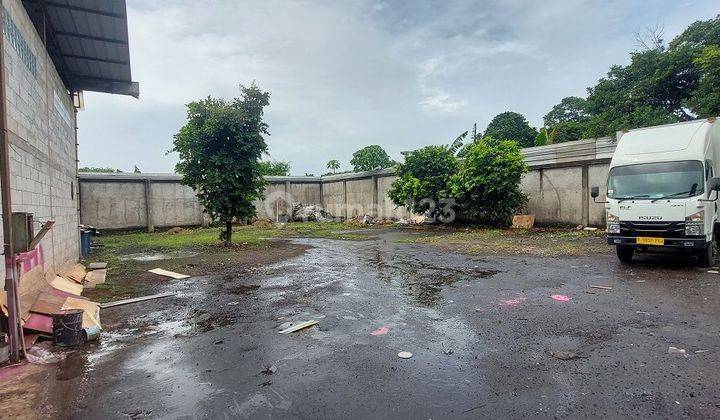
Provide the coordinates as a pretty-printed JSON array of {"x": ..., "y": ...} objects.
[
  {"x": 310, "y": 213},
  {"x": 47, "y": 298}
]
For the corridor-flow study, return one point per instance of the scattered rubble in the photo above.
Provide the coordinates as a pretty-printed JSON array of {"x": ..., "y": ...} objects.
[{"x": 310, "y": 213}]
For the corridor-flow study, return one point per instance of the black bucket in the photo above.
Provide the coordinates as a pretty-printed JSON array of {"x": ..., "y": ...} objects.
[{"x": 67, "y": 328}]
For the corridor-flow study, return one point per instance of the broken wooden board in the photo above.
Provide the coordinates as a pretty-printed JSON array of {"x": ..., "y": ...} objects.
[
  {"x": 95, "y": 277},
  {"x": 91, "y": 311},
  {"x": 523, "y": 221},
  {"x": 39, "y": 322},
  {"x": 47, "y": 304},
  {"x": 68, "y": 286},
  {"x": 299, "y": 327},
  {"x": 74, "y": 272},
  {"x": 137, "y": 299},
  {"x": 31, "y": 284},
  {"x": 167, "y": 273},
  {"x": 97, "y": 266}
]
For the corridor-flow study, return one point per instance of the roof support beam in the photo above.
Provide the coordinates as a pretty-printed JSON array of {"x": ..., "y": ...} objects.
[
  {"x": 82, "y": 9},
  {"x": 92, "y": 37},
  {"x": 101, "y": 60}
]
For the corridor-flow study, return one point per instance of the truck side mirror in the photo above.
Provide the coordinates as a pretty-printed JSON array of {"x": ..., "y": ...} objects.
[
  {"x": 713, "y": 184},
  {"x": 595, "y": 191}
]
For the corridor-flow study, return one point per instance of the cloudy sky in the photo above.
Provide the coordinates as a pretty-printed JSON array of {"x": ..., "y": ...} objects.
[{"x": 346, "y": 74}]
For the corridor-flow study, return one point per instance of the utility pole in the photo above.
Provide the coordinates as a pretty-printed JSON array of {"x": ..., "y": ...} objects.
[{"x": 474, "y": 131}]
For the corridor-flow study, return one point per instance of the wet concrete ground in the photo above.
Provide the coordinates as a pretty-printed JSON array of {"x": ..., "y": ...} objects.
[{"x": 482, "y": 330}]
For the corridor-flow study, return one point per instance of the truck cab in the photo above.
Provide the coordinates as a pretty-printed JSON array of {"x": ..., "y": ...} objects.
[{"x": 662, "y": 190}]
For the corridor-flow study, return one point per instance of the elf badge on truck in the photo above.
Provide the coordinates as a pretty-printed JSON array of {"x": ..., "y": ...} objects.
[{"x": 662, "y": 190}]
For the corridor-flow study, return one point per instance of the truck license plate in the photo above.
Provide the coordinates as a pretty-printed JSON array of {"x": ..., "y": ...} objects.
[{"x": 641, "y": 240}]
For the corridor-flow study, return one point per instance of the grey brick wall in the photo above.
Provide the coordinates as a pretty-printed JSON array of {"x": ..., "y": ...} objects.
[{"x": 41, "y": 132}]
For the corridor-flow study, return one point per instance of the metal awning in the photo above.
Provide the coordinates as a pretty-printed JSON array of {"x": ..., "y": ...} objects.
[{"x": 88, "y": 43}]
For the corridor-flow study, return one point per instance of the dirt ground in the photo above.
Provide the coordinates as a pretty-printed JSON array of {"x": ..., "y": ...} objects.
[{"x": 493, "y": 333}]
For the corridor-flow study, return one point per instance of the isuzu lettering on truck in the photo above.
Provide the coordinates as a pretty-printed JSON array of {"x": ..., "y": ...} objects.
[{"x": 662, "y": 190}]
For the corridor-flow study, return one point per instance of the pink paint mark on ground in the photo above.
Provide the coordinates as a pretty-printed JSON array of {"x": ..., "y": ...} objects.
[
  {"x": 561, "y": 298},
  {"x": 380, "y": 331},
  {"x": 511, "y": 303}
]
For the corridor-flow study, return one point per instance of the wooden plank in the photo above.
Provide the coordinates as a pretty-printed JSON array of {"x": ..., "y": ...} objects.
[
  {"x": 47, "y": 304},
  {"x": 168, "y": 273},
  {"x": 97, "y": 265},
  {"x": 39, "y": 322},
  {"x": 137, "y": 299},
  {"x": 31, "y": 284},
  {"x": 91, "y": 311},
  {"x": 40, "y": 235},
  {"x": 299, "y": 327},
  {"x": 523, "y": 221}
]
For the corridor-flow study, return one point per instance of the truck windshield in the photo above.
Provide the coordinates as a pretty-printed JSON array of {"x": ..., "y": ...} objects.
[{"x": 652, "y": 181}]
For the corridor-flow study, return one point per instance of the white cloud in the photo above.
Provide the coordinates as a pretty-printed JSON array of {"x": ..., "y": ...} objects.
[{"x": 345, "y": 74}]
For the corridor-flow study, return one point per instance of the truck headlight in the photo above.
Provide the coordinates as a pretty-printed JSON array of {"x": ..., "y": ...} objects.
[
  {"x": 695, "y": 224},
  {"x": 613, "y": 223}
]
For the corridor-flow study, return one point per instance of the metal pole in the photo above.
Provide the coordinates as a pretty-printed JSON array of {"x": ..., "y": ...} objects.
[{"x": 8, "y": 252}]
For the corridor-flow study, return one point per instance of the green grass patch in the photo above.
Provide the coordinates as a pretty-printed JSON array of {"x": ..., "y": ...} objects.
[{"x": 540, "y": 242}]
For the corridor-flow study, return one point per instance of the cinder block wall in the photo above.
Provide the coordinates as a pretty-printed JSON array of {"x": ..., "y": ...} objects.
[
  {"x": 557, "y": 184},
  {"x": 41, "y": 133}
]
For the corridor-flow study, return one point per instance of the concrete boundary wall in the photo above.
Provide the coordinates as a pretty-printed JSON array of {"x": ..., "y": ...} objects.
[{"x": 557, "y": 184}]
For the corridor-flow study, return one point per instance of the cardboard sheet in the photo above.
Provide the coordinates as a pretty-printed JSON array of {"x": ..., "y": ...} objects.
[
  {"x": 47, "y": 304},
  {"x": 523, "y": 221},
  {"x": 91, "y": 311},
  {"x": 74, "y": 272},
  {"x": 31, "y": 284},
  {"x": 95, "y": 277},
  {"x": 68, "y": 286}
]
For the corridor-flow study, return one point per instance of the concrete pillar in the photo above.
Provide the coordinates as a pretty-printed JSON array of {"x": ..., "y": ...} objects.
[
  {"x": 345, "y": 201},
  {"x": 288, "y": 199},
  {"x": 374, "y": 211},
  {"x": 585, "y": 196},
  {"x": 322, "y": 198},
  {"x": 148, "y": 208}
]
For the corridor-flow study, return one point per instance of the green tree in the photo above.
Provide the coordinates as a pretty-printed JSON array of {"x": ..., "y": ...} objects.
[
  {"x": 487, "y": 187},
  {"x": 220, "y": 147},
  {"x": 705, "y": 100},
  {"x": 511, "y": 126},
  {"x": 275, "y": 168},
  {"x": 544, "y": 137},
  {"x": 369, "y": 158},
  {"x": 423, "y": 183},
  {"x": 333, "y": 165},
  {"x": 567, "y": 120},
  {"x": 97, "y": 169},
  {"x": 571, "y": 108},
  {"x": 698, "y": 35},
  {"x": 660, "y": 85}
]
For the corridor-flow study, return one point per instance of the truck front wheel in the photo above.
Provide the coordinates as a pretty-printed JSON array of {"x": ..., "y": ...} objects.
[
  {"x": 625, "y": 253},
  {"x": 706, "y": 257}
]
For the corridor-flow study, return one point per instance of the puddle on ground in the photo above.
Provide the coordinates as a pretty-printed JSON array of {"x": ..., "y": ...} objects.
[{"x": 157, "y": 256}]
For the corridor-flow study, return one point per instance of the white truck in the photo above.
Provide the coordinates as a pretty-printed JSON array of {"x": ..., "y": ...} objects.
[{"x": 662, "y": 190}]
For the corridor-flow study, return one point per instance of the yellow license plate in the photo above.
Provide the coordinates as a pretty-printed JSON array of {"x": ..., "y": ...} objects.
[{"x": 641, "y": 240}]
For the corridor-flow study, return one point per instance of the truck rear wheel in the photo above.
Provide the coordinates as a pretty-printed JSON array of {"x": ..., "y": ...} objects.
[
  {"x": 625, "y": 253},
  {"x": 706, "y": 257}
]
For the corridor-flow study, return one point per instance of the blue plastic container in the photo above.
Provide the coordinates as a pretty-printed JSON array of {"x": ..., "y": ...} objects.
[{"x": 85, "y": 239}]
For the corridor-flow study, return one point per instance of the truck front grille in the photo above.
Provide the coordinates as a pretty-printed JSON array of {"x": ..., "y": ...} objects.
[{"x": 653, "y": 229}]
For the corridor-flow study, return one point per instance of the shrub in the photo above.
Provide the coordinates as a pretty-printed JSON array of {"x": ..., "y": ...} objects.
[
  {"x": 487, "y": 186},
  {"x": 423, "y": 183}
]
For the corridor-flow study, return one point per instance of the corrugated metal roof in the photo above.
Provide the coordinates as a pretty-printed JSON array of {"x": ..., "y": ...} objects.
[{"x": 88, "y": 42}]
